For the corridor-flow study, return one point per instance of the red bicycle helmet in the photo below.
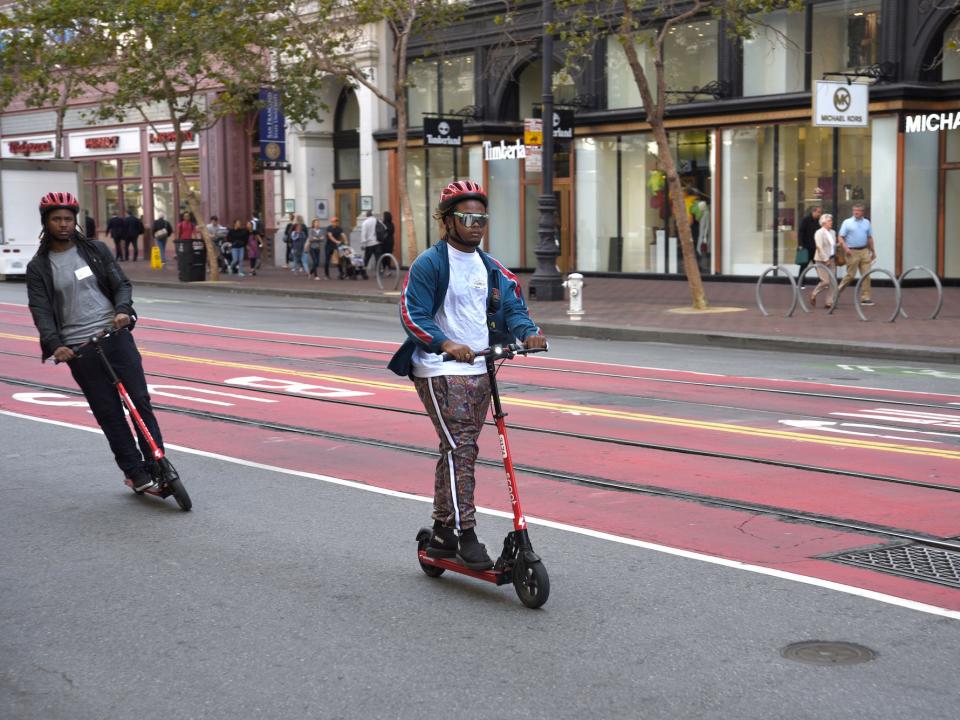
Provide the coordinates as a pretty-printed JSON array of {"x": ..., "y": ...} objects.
[
  {"x": 58, "y": 201},
  {"x": 458, "y": 191}
]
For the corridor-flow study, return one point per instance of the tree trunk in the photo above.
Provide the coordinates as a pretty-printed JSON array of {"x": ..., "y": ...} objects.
[
  {"x": 690, "y": 266},
  {"x": 193, "y": 202}
]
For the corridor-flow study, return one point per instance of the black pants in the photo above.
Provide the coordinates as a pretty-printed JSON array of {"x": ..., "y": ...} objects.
[
  {"x": 120, "y": 248},
  {"x": 131, "y": 243},
  {"x": 369, "y": 252},
  {"x": 105, "y": 403}
]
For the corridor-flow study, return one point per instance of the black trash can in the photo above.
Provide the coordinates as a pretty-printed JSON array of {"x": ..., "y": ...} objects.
[{"x": 191, "y": 260}]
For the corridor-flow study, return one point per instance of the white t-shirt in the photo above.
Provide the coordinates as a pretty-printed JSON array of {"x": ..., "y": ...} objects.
[
  {"x": 368, "y": 232},
  {"x": 463, "y": 317}
]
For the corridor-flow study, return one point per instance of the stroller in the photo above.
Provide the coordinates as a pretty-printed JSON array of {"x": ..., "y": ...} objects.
[
  {"x": 351, "y": 263},
  {"x": 223, "y": 254}
]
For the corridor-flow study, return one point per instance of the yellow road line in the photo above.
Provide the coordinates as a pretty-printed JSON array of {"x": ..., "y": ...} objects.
[{"x": 584, "y": 410}]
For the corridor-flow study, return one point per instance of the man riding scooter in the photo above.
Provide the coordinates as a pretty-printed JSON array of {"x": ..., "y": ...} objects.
[{"x": 76, "y": 290}]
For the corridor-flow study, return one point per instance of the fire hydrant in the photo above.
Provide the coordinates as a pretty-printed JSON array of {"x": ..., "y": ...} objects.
[{"x": 574, "y": 285}]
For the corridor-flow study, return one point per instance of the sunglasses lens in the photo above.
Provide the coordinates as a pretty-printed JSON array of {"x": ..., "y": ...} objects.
[{"x": 471, "y": 219}]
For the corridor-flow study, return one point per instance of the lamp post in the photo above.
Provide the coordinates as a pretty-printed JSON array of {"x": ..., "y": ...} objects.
[{"x": 546, "y": 283}]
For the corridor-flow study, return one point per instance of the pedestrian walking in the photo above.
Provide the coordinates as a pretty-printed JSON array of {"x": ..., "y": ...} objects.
[
  {"x": 253, "y": 247},
  {"x": 77, "y": 289},
  {"x": 368, "y": 238},
  {"x": 826, "y": 244},
  {"x": 458, "y": 300},
  {"x": 237, "y": 236},
  {"x": 386, "y": 234},
  {"x": 115, "y": 231},
  {"x": 186, "y": 229},
  {"x": 292, "y": 220},
  {"x": 162, "y": 231},
  {"x": 856, "y": 239},
  {"x": 298, "y": 241},
  {"x": 335, "y": 238},
  {"x": 132, "y": 230},
  {"x": 806, "y": 244},
  {"x": 89, "y": 226},
  {"x": 316, "y": 239}
]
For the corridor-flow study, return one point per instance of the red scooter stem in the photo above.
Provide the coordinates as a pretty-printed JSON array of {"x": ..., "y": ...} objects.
[
  {"x": 519, "y": 521},
  {"x": 155, "y": 450}
]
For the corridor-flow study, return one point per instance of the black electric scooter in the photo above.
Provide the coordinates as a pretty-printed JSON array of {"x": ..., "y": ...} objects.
[
  {"x": 518, "y": 563},
  {"x": 164, "y": 474}
]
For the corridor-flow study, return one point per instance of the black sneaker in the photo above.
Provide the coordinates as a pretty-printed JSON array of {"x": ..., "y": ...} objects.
[
  {"x": 443, "y": 542},
  {"x": 142, "y": 480},
  {"x": 472, "y": 552},
  {"x": 867, "y": 302}
]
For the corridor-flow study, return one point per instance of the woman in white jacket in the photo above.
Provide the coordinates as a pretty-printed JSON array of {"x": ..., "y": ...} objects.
[{"x": 826, "y": 240}]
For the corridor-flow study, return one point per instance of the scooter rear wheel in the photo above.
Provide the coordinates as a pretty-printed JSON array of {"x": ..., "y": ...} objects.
[
  {"x": 423, "y": 540},
  {"x": 531, "y": 583}
]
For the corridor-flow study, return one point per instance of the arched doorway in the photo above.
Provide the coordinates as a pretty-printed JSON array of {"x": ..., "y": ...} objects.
[{"x": 346, "y": 152}]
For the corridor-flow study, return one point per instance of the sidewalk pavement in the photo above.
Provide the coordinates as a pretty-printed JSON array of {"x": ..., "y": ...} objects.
[{"x": 658, "y": 310}]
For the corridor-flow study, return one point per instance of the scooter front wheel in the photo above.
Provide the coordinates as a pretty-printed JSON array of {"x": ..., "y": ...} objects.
[
  {"x": 531, "y": 583},
  {"x": 180, "y": 494}
]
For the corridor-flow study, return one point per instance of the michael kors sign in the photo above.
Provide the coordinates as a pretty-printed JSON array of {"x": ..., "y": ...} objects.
[{"x": 840, "y": 104}]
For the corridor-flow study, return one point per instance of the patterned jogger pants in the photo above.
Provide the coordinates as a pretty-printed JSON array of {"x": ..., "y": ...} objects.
[{"x": 458, "y": 405}]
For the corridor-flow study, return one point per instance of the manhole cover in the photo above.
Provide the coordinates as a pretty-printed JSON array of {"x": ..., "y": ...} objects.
[{"x": 820, "y": 652}]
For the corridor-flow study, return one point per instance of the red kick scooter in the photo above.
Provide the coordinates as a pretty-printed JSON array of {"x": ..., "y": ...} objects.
[
  {"x": 164, "y": 474},
  {"x": 518, "y": 563}
]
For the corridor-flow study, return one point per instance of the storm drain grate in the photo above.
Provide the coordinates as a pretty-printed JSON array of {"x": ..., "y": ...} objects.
[{"x": 917, "y": 562}]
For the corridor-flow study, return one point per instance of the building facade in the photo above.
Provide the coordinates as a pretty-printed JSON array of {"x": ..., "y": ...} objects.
[{"x": 751, "y": 160}]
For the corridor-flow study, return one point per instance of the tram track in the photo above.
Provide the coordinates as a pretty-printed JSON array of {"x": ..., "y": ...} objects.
[
  {"x": 898, "y": 534},
  {"x": 602, "y": 439},
  {"x": 569, "y": 371}
]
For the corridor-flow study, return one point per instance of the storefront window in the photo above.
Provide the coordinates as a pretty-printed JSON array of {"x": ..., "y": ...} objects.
[
  {"x": 348, "y": 164},
  {"x": 622, "y": 89},
  {"x": 951, "y": 226},
  {"x": 422, "y": 95},
  {"x": 108, "y": 203},
  {"x": 416, "y": 188},
  {"x": 131, "y": 168},
  {"x": 846, "y": 35},
  {"x": 106, "y": 168},
  {"x": 596, "y": 176},
  {"x": 162, "y": 166},
  {"x": 690, "y": 57},
  {"x": 804, "y": 180},
  {"x": 190, "y": 164},
  {"x": 773, "y": 59},
  {"x": 951, "y": 51},
  {"x": 456, "y": 77},
  {"x": 953, "y": 145},
  {"x": 748, "y": 195},
  {"x": 133, "y": 198},
  {"x": 530, "y": 89},
  {"x": 504, "y": 184},
  {"x": 163, "y": 201},
  {"x": 921, "y": 174}
]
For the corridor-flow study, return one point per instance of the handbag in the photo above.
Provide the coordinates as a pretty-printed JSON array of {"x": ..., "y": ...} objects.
[
  {"x": 841, "y": 256},
  {"x": 802, "y": 257}
]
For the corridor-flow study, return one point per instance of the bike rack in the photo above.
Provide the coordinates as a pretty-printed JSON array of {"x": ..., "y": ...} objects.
[
  {"x": 834, "y": 287},
  {"x": 380, "y": 275},
  {"x": 793, "y": 284},
  {"x": 936, "y": 281},
  {"x": 896, "y": 287}
]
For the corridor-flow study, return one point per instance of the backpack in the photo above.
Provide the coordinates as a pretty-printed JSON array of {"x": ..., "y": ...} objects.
[{"x": 382, "y": 233}]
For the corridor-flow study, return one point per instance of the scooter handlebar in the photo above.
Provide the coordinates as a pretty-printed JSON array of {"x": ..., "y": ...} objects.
[
  {"x": 98, "y": 338},
  {"x": 504, "y": 351}
]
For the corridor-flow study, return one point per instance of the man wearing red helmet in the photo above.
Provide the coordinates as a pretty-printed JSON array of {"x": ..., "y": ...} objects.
[
  {"x": 457, "y": 299},
  {"x": 76, "y": 289}
]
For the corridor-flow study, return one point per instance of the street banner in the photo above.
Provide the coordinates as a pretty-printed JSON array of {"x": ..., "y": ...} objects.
[
  {"x": 272, "y": 129},
  {"x": 840, "y": 104},
  {"x": 533, "y": 131},
  {"x": 443, "y": 131}
]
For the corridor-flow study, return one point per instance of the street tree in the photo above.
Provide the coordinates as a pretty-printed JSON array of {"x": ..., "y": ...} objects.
[
  {"x": 185, "y": 64},
  {"x": 643, "y": 26},
  {"x": 325, "y": 37}
]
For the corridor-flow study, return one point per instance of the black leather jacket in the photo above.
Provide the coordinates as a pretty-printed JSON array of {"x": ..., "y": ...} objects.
[{"x": 42, "y": 298}]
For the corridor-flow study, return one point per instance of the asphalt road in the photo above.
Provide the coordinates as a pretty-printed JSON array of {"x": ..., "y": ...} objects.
[{"x": 284, "y": 596}]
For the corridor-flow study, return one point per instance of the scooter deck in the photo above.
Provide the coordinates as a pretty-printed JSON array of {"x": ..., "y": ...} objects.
[
  {"x": 156, "y": 491},
  {"x": 497, "y": 577}
]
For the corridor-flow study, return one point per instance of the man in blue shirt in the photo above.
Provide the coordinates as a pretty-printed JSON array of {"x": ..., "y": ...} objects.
[{"x": 856, "y": 238}]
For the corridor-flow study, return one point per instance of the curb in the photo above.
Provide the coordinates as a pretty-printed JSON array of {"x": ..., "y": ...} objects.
[{"x": 740, "y": 341}]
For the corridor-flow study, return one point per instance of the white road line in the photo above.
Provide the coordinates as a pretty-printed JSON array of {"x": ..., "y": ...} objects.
[{"x": 597, "y": 535}]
